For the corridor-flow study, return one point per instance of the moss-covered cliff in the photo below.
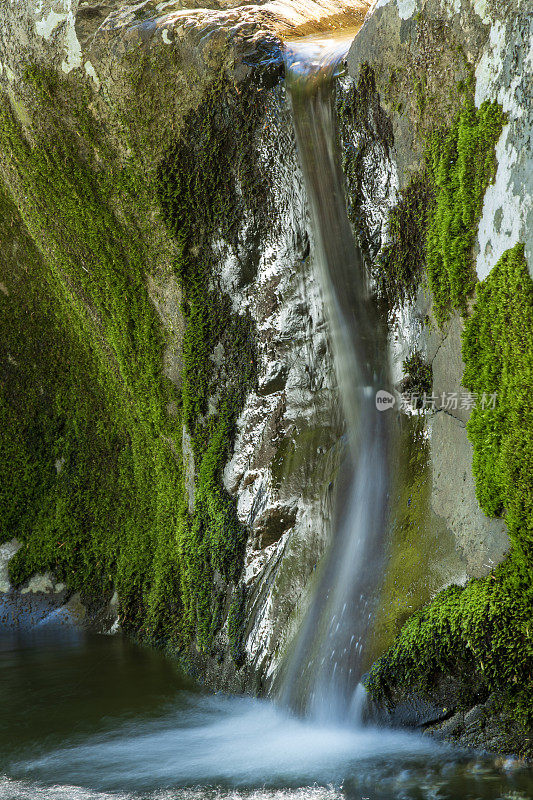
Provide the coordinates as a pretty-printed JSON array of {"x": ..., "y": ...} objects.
[
  {"x": 156, "y": 360},
  {"x": 171, "y": 431},
  {"x": 101, "y": 501},
  {"x": 97, "y": 397},
  {"x": 472, "y": 643}
]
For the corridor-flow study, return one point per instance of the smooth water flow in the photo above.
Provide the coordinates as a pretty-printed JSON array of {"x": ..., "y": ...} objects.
[
  {"x": 98, "y": 718},
  {"x": 328, "y": 662}
]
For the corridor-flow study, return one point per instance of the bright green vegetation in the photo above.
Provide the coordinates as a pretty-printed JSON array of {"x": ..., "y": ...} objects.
[
  {"x": 484, "y": 629},
  {"x": 461, "y": 164},
  {"x": 481, "y": 632},
  {"x": 93, "y": 480},
  {"x": 86, "y": 392},
  {"x": 498, "y": 354},
  {"x": 197, "y": 202},
  {"x": 237, "y": 624},
  {"x": 433, "y": 226},
  {"x": 402, "y": 260}
]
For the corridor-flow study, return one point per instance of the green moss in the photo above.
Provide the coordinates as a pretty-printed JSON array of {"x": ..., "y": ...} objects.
[
  {"x": 196, "y": 185},
  {"x": 433, "y": 226},
  {"x": 402, "y": 260},
  {"x": 483, "y": 630},
  {"x": 237, "y": 624},
  {"x": 480, "y": 632},
  {"x": 90, "y": 395},
  {"x": 498, "y": 356},
  {"x": 90, "y": 482},
  {"x": 418, "y": 380},
  {"x": 461, "y": 163}
]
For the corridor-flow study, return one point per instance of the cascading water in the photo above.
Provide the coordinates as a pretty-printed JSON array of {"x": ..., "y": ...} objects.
[
  {"x": 98, "y": 718},
  {"x": 328, "y": 660}
]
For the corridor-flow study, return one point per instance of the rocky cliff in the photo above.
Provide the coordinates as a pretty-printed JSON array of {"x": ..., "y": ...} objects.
[
  {"x": 440, "y": 89},
  {"x": 173, "y": 441},
  {"x": 164, "y": 341}
]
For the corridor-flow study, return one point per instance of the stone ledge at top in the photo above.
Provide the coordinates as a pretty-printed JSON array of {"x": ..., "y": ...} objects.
[
  {"x": 208, "y": 27},
  {"x": 102, "y": 43},
  {"x": 283, "y": 17},
  {"x": 69, "y": 27},
  {"x": 207, "y": 23}
]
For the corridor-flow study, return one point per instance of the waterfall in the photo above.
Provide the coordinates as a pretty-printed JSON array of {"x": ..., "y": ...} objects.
[{"x": 328, "y": 660}]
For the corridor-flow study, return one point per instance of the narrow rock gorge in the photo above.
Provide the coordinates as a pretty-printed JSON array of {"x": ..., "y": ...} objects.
[{"x": 174, "y": 445}]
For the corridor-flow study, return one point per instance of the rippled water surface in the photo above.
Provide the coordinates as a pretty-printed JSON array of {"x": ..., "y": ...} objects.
[{"x": 94, "y": 717}]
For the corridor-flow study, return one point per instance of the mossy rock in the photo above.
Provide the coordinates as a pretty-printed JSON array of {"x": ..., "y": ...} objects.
[
  {"x": 485, "y": 625},
  {"x": 92, "y": 455}
]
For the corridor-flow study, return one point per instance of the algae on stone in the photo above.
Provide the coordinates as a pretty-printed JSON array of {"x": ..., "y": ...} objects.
[{"x": 485, "y": 627}]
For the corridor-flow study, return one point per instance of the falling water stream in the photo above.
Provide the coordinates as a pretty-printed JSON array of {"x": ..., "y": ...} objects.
[
  {"x": 98, "y": 718},
  {"x": 329, "y": 656}
]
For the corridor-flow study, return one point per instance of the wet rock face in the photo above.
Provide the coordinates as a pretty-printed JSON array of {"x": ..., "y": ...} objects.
[
  {"x": 482, "y": 542},
  {"x": 42, "y": 602},
  {"x": 287, "y": 442},
  {"x": 482, "y": 724},
  {"x": 419, "y": 56},
  {"x": 144, "y": 68},
  {"x": 482, "y": 727},
  {"x": 442, "y": 44}
]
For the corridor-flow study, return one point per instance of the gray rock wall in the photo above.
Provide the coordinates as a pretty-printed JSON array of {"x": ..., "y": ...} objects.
[
  {"x": 440, "y": 43},
  {"x": 288, "y": 444},
  {"x": 287, "y": 447}
]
